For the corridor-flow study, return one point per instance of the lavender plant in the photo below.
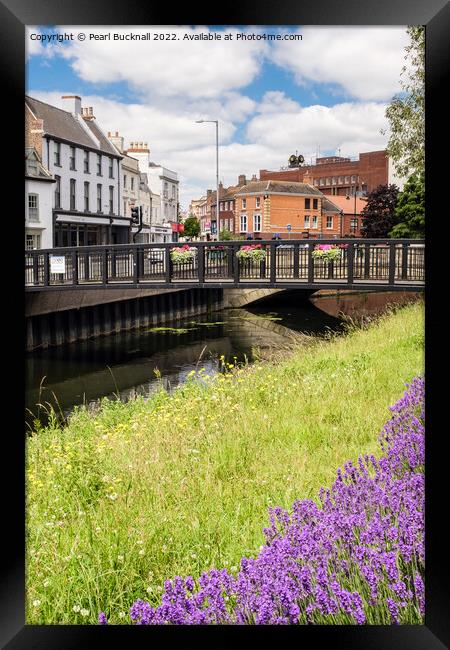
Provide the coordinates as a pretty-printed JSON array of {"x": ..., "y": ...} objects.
[{"x": 357, "y": 558}]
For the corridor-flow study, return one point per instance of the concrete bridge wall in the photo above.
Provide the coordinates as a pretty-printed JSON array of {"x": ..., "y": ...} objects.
[{"x": 57, "y": 317}]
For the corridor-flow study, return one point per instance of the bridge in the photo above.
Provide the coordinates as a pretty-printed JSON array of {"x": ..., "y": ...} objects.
[{"x": 363, "y": 264}]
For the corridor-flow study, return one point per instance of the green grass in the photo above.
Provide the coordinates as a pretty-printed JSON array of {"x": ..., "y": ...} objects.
[{"x": 120, "y": 501}]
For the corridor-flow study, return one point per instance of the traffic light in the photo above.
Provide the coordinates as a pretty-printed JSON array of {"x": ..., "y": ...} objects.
[{"x": 136, "y": 215}]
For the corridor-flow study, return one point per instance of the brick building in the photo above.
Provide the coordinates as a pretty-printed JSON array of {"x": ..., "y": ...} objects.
[
  {"x": 351, "y": 208},
  {"x": 338, "y": 176},
  {"x": 269, "y": 208}
]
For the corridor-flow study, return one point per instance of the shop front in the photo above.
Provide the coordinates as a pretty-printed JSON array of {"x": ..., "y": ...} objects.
[{"x": 74, "y": 230}]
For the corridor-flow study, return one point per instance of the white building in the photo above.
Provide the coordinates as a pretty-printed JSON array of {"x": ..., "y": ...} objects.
[
  {"x": 87, "y": 202},
  {"x": 39, "y": 185},
  {"x": 161, "y": 181}
]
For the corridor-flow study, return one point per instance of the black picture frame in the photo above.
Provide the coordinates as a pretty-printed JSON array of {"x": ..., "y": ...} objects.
[{"x": 14, "y": 15}]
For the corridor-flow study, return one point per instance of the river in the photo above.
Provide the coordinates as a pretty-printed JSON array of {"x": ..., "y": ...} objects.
[{"x": 137, "y": 362}]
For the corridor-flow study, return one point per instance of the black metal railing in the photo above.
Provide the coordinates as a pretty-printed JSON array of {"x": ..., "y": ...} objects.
[{"x": 394, "y": 263}]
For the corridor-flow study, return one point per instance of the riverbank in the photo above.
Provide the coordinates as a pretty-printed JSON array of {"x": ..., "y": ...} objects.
[{"x": 147, "y": 490}]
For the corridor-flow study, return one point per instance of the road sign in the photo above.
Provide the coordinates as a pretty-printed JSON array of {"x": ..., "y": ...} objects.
[
  {"x": 57, "y": 264},
  {"x": 289, "y": 227}
]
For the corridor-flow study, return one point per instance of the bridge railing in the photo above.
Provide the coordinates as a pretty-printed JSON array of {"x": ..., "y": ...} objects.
[{"x": 361, "y": 261}]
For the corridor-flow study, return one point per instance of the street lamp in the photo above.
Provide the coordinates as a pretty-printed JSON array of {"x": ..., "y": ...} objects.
[{"x": 216, "y": 122}]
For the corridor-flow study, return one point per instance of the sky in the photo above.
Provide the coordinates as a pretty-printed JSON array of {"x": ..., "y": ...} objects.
[{"x": 326, "y": 93}]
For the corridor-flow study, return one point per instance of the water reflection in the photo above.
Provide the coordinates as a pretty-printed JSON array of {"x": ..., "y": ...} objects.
[{"x": 136, "y": 362}]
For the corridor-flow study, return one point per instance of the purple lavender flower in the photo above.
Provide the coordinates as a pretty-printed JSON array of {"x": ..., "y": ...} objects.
[{"x": 357, "y": 558}]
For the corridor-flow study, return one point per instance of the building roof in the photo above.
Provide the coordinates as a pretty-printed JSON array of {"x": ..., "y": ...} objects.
[
  {"x": 33, "y": 166},
  {"x": 347, "y": 204},
  {"x": 65, "y": 126},
  {"x": 285, "y": 187}
]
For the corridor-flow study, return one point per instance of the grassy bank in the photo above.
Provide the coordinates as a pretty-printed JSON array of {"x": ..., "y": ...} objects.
[{"x": 120, "y": 501}]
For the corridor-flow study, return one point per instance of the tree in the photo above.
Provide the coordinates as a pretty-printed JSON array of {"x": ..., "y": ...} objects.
[
  {"x": 406, "y": 112},
  {"x": 410, "y": 210},
  {"x": 191, "y": 226},
  {"x": 378, "y": 215},
  {"x": 226, "y": 235}
]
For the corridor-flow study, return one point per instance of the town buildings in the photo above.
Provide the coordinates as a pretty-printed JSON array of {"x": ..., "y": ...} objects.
[
  {"x": 339, "y": 176},
  {"x": 86, "y": 206},
  {"x": 351, "y": 208},
  {"x": 285, "y": 209},
  {"x": 163, "y": 182},
  {"x": 39, "y": 190}
]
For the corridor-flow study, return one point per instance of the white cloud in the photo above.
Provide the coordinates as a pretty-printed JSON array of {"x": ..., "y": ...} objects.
[
  {"x": 364, "y": 61},
  {"x": 166, "y": 67},
  {"x": 347, "y": 126}
]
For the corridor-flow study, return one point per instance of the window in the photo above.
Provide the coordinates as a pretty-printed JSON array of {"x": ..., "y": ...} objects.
[
  {"x": 58, "y": 192},
  {"x": 340, "y": 180},
  {"x": 328, "y": 181},
  {"x": 86, "y": 162},
  {"x": 132, "y": 182},
  {"x": 353, "y": 179},
  {"x": 111, "y": 172},
  {"x": 111, "y": 199},
  {"x": 72, "y": 158},
  {"x": 99, "y": 164},
  {"x": 307, "y": 204},
  {"x": 86, "y": 197},
  {"x": 256, "y": 223},
  {"x": 32, "y": 242},
  {"x": 347, "y": 180},
  {"x": 306, "y": 221},
  {"x": 99, "y": 198},
  {"x": 166, "y": 190},
  {"x": 173, "y": 191},
  {"x": 57, "y": 160},
  {"x": 258, "y": 202},
  {"x": 33, "y": 207},
  {"x": 314, "y": 221},
  {"x": 329, "y": 222},
  {"x": 243, "y": 223},
  {"x": 72, "y": 194},
  {"x": 244, "y": 203},
  {"x": 353, "y": 224},
  {"x": 166, "y": 214},
  {"x": 316, "y": 181},
  {"x": 334, "y": 180},
  {"x": 124, "y": 208},
  {"x": 322, "y": 181},
  {"x": 315, "y": 204}
]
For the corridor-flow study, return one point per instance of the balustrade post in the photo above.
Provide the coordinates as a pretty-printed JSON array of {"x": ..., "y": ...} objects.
[
  {"x": 236, "y": 261},
  {"x": 230, "y": 252},
  {"x": 201, "y": 263},
  {"x": 273, "y": 263},
  {"x": 104, "y": 267},
  {"x": 74, "y": 267},
  {"x": 405, "y": 248},
  {"x": 168, "y": 264},
  {"x": 46, "y": 269},
  {"x": 35, "y": 269},
  {"x": 350, "y": 262},
  {"x": 392, "y": 254},
  {"x": 366, "y": 261},
  {"x": 310, "y": 263},
  {"x": 296, "y": 271}
]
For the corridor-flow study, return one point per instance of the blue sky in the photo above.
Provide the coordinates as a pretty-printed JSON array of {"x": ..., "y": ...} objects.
[{"x": 329, "y": 90}]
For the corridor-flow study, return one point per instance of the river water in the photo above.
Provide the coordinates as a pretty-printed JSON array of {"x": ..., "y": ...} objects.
[{"x": 137, "y": 362}]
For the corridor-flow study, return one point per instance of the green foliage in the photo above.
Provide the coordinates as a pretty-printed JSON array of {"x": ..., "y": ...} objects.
[
  {"x": 226, "y": 235},
  {"x": 378, "y": 215},
  {"x": 191, "y": 227},
  {"x": 406, "y": 112},
  {"x": 410, "y": 210}
]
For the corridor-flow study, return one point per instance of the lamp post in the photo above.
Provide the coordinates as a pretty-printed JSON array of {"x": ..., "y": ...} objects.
[{"x": 216, "y": 122}]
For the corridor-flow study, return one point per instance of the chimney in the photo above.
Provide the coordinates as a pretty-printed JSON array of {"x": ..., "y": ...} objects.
[
  {"x": 117, "y": 140},
  {"x": 254, "y": 177},
  {"x": 242, "y": 180},
  {"x": 88, "y": 113},
  {"x": 208, "y": 193},
  {"x": 139, "y": 147},
  {"x": 307, "y": 178},
  {"x": 72, "y": 103}
]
